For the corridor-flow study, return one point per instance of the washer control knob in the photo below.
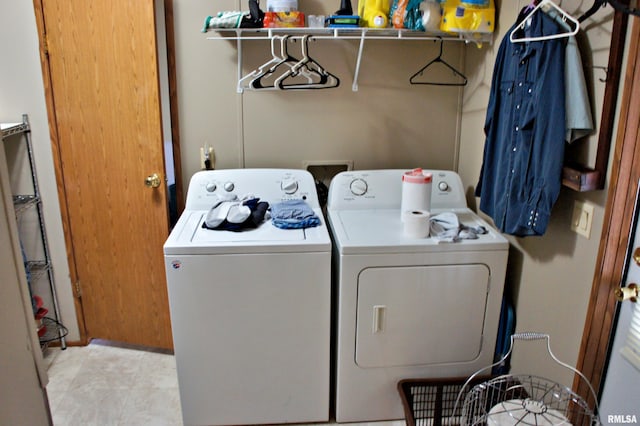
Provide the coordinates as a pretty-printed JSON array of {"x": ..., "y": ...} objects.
[
  {"x": 443, "y": 186},
  {"x": 289, "y": 186},
  {"x": 229, "y": 186},
  {"x": 210, "y": 187},
  {"x": 358, "y": 187}
]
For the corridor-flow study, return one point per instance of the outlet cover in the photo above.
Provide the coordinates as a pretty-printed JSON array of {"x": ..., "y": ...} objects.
[{"x": 582, "y": 218}]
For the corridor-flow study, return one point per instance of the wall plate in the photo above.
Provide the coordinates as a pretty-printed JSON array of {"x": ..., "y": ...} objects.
[{"x": 582, "y": 218}]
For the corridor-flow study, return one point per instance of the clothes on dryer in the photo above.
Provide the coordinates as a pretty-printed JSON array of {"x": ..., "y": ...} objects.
[
  {"x": 293, "y": 214},
  {"x": 446, "y": 228}
]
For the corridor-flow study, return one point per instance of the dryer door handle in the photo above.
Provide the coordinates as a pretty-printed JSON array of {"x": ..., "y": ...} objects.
[{"x": 379, "y": 318}]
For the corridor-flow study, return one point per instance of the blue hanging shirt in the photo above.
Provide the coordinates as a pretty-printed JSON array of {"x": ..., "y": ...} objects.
[{"x": 521, "y": 172}]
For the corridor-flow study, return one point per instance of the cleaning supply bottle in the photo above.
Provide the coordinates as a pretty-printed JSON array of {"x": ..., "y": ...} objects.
[
  {"x": 431, "y": 14},
  {"x": 374, "y": 13}
]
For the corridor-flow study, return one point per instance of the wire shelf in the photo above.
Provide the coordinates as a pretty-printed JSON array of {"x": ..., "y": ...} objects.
[
  {"x": 54, "y": 331},
  {"x": 10, "y": 129}
]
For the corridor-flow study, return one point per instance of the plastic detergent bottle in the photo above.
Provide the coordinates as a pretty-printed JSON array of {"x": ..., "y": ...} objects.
[
  {"x": 374, "y": 13},
  {"x": 468, "y": 16}
]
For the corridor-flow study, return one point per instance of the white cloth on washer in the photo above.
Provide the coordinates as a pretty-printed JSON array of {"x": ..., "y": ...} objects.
[{"x": 227, "y": 207}]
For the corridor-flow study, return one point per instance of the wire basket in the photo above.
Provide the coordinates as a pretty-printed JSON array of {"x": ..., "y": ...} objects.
[
  {"x": 525, "y": 399},
  {"x": 52, "y": 330},
  {"x": 432, "y": 401}
]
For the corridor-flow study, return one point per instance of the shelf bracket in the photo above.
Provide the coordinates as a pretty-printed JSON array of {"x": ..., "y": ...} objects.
[
  {"x": 356, "y": 73},
  {"x": 239, "y": 88}
]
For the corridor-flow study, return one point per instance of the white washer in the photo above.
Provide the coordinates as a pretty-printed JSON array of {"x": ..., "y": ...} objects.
[
  {"x": 250, "y": 311},
  {"x": 407, "y": 308}
]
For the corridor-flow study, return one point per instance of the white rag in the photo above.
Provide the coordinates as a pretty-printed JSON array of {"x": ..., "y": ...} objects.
[{"x": 446, "y": 228}]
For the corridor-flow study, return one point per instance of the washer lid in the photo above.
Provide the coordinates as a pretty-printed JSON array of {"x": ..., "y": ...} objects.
[
  {"x": 381, "y": 231},
  {"x": 189, "y": 237}
]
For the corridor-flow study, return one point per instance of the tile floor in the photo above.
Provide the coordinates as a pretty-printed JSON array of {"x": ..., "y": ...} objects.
[{"x": 103, "y": 385}]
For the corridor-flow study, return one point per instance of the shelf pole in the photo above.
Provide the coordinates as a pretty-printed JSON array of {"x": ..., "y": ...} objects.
[
  {"x": 356, "y": 73},
  {"x": 239, "y": 88},
  {"x": 43, "y": 230}
]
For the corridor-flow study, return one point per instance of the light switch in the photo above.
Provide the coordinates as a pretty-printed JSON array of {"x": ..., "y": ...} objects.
[{"x": 582, "y": 218}]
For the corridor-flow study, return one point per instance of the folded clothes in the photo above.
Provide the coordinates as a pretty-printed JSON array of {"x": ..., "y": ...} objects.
[
  {"x": 231, "y": 214},
  {"x": 293, "y": 214},
  {"x": 446, "y": 227}
]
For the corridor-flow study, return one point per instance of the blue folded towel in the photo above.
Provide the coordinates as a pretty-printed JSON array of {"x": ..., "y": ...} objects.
[{"x": 293, "y": 214}]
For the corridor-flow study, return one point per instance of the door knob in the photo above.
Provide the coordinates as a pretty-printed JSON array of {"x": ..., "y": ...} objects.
[
  {"x": 629, "y": 292},
  {"x": 636, "y": 256},
  {"x": 152, "y": 181}
]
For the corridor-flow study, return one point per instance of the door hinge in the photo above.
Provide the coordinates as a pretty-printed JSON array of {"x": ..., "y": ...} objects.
[
  {"x": 78, "y": 289},
  {"x": 45, "y": 44}
]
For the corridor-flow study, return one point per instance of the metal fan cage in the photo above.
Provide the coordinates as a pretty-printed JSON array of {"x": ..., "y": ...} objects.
[{"x": 525, "y": 400}]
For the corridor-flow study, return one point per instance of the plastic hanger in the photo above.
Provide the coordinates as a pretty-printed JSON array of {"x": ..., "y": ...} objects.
[
  {"x": 438, "y": 60},
  {"x": 326, "y": 79},
  {"x": 262, "y": 70},
  {"x": 270, "y": 68},
  {"x": 545, "y": 6}
]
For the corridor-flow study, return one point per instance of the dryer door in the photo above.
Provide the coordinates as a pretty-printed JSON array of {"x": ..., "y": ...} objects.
[{"x": 421, "y": 315}]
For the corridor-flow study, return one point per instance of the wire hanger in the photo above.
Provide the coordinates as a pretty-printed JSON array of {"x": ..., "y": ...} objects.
[
  {"x": 545, "y": 6},
  {"x": 439, "y": 60},
  {"x": 306, "y": 72}
]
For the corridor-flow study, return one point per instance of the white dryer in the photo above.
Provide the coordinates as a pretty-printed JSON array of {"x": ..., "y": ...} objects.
[
  {"x": 250, "y": 311},
  {"x": 407, "y": 307}
]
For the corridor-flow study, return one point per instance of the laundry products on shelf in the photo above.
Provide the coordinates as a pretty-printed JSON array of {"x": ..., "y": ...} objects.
[{"x": 476, "y": 16}]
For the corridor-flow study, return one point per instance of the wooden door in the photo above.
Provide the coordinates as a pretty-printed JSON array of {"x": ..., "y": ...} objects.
[
  {"x": 618, "y": 223},
  {"x": 621, "y": 385},
  {"x": 104, "y": 92}
]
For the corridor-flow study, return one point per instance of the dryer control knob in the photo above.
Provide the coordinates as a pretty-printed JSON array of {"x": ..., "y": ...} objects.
[
  {"x": 289, "y": 186},
  {"x": 210, "y": 187},
  {"x": 358, "y": 187},
  {"x": 228, "y": 186},
  {"x": 443, "y": 186}
]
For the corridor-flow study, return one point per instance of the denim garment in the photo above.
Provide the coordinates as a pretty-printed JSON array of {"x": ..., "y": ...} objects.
[{"x": 521, "y": 172}]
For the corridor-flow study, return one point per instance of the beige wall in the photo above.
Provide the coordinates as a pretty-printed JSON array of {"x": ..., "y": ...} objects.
[
  {"x": 550, "y": 276},
  {"x": 22, "y": 92},
  {"x": 387, "y": 123},
  {"x": 22, "y": 373}
]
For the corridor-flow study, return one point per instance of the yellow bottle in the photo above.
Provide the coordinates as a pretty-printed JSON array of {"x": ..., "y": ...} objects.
[
  {"x": 467, "y": 17},
  {"x": 374, "y": 13}
]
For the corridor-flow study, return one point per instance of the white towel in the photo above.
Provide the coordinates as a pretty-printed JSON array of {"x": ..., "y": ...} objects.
[{"x": 446, "y": 228}]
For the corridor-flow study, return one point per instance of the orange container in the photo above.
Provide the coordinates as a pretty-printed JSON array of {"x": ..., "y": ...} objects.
[{"x": 283, "y": 19}]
